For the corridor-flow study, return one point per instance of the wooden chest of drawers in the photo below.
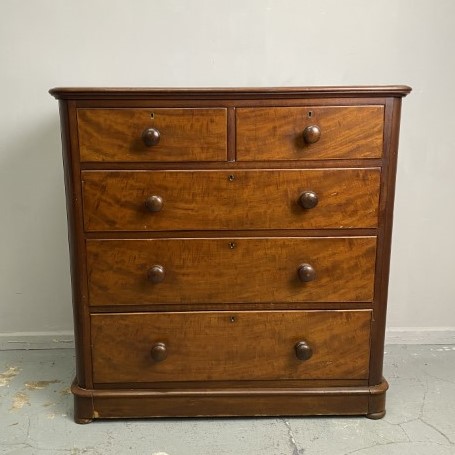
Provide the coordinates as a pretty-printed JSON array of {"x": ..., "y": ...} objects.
[{"x": 229, "y": 248}]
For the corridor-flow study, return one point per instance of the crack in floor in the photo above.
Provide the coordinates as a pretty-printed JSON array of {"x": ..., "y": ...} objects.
[
  {"x": 437, "y": 430},
  {"x": 292, "y": 442},
  {"x": 396, "y": 443},
  {"x": 403, "y": 430}
]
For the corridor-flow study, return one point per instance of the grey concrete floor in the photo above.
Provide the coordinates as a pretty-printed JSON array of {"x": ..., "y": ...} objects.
[{"x": 36, "y": 416}]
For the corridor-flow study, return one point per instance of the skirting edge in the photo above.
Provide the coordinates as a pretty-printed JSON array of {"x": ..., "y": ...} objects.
[{"x": 143, "y": 403}]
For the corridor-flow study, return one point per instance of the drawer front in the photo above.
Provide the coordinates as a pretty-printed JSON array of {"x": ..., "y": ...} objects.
[
  {"x": 228, "y": 270},
  {"x": 184, "y": 134},
  {"x": 200, "y": 346},
  {"x": 309, "y": 133},
  {"x": 200, "y": 200}
]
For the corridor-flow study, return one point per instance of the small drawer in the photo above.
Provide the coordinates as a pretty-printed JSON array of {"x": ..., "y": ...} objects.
[
  {"x": 150, "y": 135},
  {"x": 230, "y": 200},
  {"x": 309, "y": 133},
  {"x": 211, "y": 346},
  {"x": 231, "y": 270}
]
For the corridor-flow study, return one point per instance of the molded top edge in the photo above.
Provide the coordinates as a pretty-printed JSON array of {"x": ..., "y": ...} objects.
[{"x": 243, "y": 92}]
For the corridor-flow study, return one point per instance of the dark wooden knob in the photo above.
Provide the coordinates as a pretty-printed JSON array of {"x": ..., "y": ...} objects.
[
  {"x": 151, "y": 136},
  {"x": 154, "y": 203},
  {"x": 308, "y": 199},
  {"x": 159, "y": 352},
  {"x": 306, "y": 272},
  {"x": 303, "y": 351},
  {"x": 156, "y": 274},
  {"x": 311, "y": 134}
]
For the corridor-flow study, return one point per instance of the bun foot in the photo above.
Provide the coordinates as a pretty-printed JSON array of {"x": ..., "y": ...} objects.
[
  {"x": 375, "y": 415},
  {"x": 81, "y": 421}
]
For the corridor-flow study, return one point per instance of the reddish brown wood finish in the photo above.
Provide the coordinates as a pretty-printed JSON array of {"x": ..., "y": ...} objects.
[
  {"x": 231, "y": 270},
  {"x": 278, "y": 133},
  {"x": 76, "y": 243},
  {"x": 223, "y": 200},
  {"x": 217, "y": 385},
  {"x": 246, "y": 401},
  {"x": 253, "y": 93},
  {"x": 349, "y": 148},
  {"x": 392, "y": 123},
  {"x": 185, "y": 134},
  {"x": 230, "y": 346}
]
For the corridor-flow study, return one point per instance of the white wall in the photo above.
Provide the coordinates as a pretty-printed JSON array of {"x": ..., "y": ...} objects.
[{"x": 45, "y": 43}]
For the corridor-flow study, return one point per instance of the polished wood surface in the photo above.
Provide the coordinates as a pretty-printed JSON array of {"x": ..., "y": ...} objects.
[
  {"x": 230, "y": 346},
  {"x": 239, "y": 205},
  {"x": 184, "y": 134},
  {"x": 226, "y": 93},
  {"x": 392, "y": 123},
  {"x": 303, "y": 351},
  {"x": 308, "y": 199},
  {"x": 151, "y": 136},
  {"x": 311, "y": 134},
  {"x": 278, "y": 133},
  {"x": 242, "y": 401},
  {"x": 156, "y": 274},
  {"x": 243, "y": 199},
  {"x": 158, "y": 353},
  {"x": 306, "y": 273},
  {"x": 76, "y": 245},
  {"x": 154, "y": 203},
  {"x": 231, "y": 270}
]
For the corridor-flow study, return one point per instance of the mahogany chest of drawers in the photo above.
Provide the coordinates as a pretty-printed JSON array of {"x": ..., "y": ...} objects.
[{"x": 229, "y": 248}]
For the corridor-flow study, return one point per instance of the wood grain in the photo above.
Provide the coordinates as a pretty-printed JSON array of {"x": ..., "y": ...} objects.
[
  {"x": 275, "y": 133},
  {"x": 223, "y": 200},
  {"x": 76, "y": 243},
  {"x": 215, "y": 386},
  {"x": 186, "y": 134},
  {"x": 231, "y": 270},
  {"x": 255, "y": 134},
  {"x": 232, "y": 165},
  {"x": 243, "y": 401},
  {"x": 213, "y": 345},
  {"x": 392, "y": 130},
  {"x": 121, "y": 93},
  {"x": 267, "y": 403}
]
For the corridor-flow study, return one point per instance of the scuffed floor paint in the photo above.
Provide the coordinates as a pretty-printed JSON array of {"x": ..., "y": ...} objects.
[
  {"x": 7, "y": 376},
  {"x": 38, "y": 385},
  {"x": 20, "y": 399},
  {"x": 66, "y": 391}
]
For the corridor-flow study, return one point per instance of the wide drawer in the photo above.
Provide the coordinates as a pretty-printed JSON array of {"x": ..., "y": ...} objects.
[
  {"x": 247, "y": 199},
  {"x": 204, "y": 346},
  {"x": 309, "y": 133},
  {"x": 152, "y": 134},
  {"x": 226, "y": 270}
]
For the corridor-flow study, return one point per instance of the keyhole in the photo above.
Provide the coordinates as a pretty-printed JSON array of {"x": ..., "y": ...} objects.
[
  {"x": 231, "y": 178},
  {"x": 232, "y": 319},
  {"x": 232, "y": 245},
  {"x": 310, "y": 114},
  {"x": 152, "y": 115}
]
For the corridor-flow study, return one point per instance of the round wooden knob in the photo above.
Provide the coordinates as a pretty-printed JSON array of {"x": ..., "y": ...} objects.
[
  {"x": 156, "y": 274},
  {"x": 154, "y": 203},
  {"x": 306, "y": 273},
  {"x": 308, "y": 199},
  {"x": 303, "y": 351},
  {"x": 151, "y": 136},
  {"x": 311, "y": 134},
  {"x": 159, "y": 352}
]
